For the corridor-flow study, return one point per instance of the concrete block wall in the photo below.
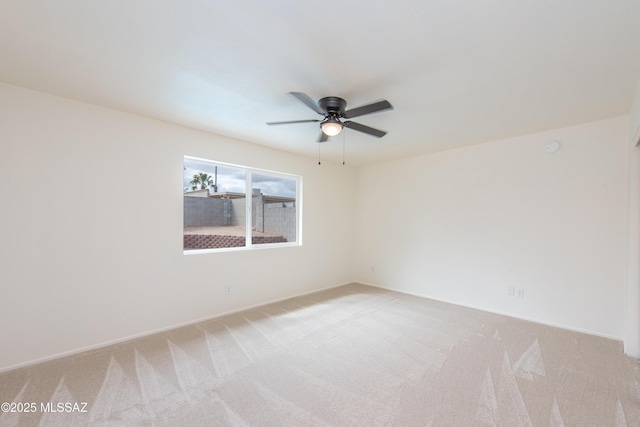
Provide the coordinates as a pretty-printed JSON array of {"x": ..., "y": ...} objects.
[
  {"x": 207, "y": 241},
  {"x": 279, "y": 219},
  {"x": 238, "y": 211},
  {"x": 201, "y": 241},
  {"x": 273, "y": 218},
  {"x": 199, "y": 212}
]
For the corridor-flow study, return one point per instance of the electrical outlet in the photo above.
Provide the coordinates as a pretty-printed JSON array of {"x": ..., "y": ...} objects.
[
  {"x": 373, "y": 269},
  {"x": 227, "y": 290},
  {"x": 520, "y": 293},
  {"x": 511, "y": 290}
]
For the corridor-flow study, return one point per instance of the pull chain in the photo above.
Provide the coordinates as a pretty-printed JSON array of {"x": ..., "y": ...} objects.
[
  {"x": 319, "y": 153},
  {"x": 343, "y": 144}
]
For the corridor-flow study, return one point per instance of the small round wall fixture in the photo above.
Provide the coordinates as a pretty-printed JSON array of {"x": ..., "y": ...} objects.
[{"x": 552, "y": 146}]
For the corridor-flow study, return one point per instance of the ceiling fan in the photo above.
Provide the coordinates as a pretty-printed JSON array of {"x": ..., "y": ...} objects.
[{"x": 333, "y": 110}]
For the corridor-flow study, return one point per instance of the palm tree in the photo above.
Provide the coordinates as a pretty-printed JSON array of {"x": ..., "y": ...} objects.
[{"x": 202, "y": 180}]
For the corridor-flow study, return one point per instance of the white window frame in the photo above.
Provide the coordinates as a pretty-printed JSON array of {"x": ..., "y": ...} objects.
[{"x": 249, "y": 171}]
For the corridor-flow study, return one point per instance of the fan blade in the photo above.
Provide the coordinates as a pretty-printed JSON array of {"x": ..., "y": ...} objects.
[
  {"x": 305, "y": 99},
  {"x": 366, "y": 129},
  {"x": 323, "y": 137},
  {"x": 368, "y": 109},
  {"x": 293, "y": 121}
]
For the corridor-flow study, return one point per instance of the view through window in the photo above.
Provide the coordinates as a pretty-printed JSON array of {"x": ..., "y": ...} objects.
[{"x": 229, "y": 206}]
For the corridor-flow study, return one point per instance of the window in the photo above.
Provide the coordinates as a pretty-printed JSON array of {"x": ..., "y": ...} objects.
[{"x": 228, "y": 206}]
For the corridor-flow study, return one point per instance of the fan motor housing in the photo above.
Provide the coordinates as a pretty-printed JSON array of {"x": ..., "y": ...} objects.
[{"x": 333, "y": 105}]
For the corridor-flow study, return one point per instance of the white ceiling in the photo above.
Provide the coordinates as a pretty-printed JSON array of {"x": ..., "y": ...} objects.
[{"x": 457, "y": 72}]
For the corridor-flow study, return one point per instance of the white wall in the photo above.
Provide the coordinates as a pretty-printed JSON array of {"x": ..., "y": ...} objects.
[
  {"x": 632, "y": 308},
  {"x": 634, "y": 117},
  {"x": 464, "y": 224},
  {"x": 91, "y": 228}
]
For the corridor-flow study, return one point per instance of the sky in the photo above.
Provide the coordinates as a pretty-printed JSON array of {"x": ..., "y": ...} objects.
[{"x": 232, "y": 179}]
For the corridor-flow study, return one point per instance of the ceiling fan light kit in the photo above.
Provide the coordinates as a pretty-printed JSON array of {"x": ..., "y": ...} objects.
[
  {"x": 331, "y": 127},
  {"x": 334, "y": 110}
]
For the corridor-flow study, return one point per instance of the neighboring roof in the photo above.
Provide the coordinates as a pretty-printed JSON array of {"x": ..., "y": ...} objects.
[
  {"x": 197, "y": 193},
  {"x": 278, "y": 199},
  {"x": 228, "y": 195},
  {"x": 267, "y": 198}
]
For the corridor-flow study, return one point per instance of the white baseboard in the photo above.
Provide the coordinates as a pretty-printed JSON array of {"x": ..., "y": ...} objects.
[
  {"x": 157, "y": 331},
  {"x": 207, "y": 318},
  {"x": 488, "y": 310}
]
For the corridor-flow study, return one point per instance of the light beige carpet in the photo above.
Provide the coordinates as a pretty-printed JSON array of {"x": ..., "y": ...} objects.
[{"x": 351, "y": 356}]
